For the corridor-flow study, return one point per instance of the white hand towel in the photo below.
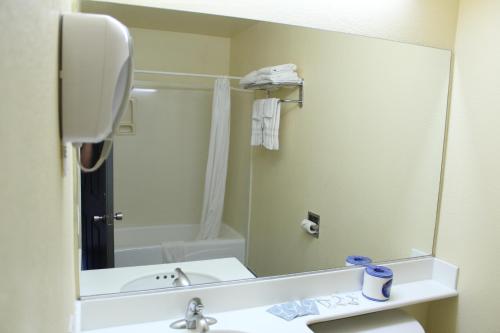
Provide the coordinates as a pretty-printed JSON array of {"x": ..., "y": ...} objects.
[
  {"x": 271, "y": 121},
  {"x": 278, "y": 68},
  {"x": 257, "y": 122}
]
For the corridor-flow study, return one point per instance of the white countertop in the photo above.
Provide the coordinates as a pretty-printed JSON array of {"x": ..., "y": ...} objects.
[
  {"x": 257, "y": 320},
  {"x": 241, "y": 307},
  {"x": 111, "y": 280}
]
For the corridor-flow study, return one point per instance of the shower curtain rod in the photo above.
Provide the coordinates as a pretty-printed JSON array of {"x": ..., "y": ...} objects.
[{"x": 142, "y": 71}]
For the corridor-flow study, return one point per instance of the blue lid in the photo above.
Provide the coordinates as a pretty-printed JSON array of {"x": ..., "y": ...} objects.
[
  {"x": 358, "y": 260},
  {"x": 379, "y": 271}
]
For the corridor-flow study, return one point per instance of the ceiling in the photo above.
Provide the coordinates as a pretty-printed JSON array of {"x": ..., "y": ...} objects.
[{"x": 170, "y": 20}]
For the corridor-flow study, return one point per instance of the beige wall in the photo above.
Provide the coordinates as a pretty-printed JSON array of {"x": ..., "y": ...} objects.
[
  {"x": 159, "y": 171},
  {"x": 364, "y": 152},
  {"x": 36, "y": 207},
  {"x": 180, "y": 52},
  {"x": 469, "y": 226}
]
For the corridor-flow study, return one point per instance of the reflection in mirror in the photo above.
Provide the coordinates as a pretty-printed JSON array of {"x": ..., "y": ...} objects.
[{"x": 214, "y": 186}]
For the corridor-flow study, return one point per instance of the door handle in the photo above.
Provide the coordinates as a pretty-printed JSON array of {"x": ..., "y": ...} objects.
[
  {"x": 118, "y": 216},
  {"x": 97, "y": 219}
]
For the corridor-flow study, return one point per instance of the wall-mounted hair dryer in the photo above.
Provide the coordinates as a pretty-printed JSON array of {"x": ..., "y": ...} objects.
[{"x": 96, "y": 79}]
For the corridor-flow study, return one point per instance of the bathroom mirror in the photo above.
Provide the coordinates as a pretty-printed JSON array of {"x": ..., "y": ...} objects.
[{"x": 362, "y": 154}]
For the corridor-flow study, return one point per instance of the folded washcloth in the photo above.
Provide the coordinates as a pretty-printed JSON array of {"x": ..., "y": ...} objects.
[
  {"x": 278, "y": 69},
  {"x": 292, "y": 310},
  {"x": 271, "y": 123}
]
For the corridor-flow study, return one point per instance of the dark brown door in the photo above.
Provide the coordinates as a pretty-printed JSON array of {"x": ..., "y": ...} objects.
[{"x": 98, "y": 214}]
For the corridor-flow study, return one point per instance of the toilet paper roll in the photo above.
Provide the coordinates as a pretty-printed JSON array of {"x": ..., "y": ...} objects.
[
  {"x": 309, "y": 226},
  {"x": 377, "y": 282},
  {"x": 357, "y": 261}
]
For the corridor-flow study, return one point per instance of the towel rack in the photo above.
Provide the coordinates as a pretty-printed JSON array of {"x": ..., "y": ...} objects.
[{"x": 268, "y": 87}]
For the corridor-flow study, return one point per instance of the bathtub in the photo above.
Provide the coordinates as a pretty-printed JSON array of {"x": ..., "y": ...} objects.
[{"x": 137, "y": 246}]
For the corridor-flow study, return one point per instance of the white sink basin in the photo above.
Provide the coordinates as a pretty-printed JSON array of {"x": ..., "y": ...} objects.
[{"x": 165, "y": 280}]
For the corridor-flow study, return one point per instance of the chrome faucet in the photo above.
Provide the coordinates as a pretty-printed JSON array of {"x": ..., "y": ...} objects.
[
  {"x": 194, "y": 318},
  {"x": 181, "y": 280}
]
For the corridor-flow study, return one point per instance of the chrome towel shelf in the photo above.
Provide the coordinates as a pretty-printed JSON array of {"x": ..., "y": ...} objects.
[{"x": 268, "y": 87}]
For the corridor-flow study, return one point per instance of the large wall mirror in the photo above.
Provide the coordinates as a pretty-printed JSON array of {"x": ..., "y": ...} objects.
[{"x": 362, "y": 153}]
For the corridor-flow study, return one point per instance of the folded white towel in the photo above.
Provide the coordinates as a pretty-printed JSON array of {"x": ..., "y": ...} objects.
[
  {"x": 276, "y": 74},
  {"x": 283, "y": 77},
  {"x": 173, "y": 251},
  {"x": 279, "y": 76},
  {"x": 249, "y": 78},
  {"x": 257, "y": 122},
  {"x": 271, "y": 121},
  {"x": 278, "y": 69}
]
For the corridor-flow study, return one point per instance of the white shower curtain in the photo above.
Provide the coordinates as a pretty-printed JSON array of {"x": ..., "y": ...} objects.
[{"x": 215, "y": 178}]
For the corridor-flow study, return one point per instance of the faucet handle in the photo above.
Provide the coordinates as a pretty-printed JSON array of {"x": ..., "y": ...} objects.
[
  {"x": 195, "y": 306},
  {"x": 194, "y": 318},
  {"x": 199, "y": 308}
]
